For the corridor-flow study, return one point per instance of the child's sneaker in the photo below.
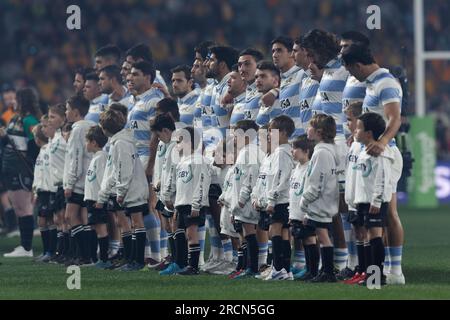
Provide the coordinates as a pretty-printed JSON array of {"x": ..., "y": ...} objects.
[
  {"x": 173, "y": 268},
  {"x": 395, "y": 279}
]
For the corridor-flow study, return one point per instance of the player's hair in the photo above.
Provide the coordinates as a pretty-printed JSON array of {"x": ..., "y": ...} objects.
[
  {"x": 79, "y": 103},
  {"x": 356, "y": 37},
  {"x": 235, "y": 68},
  {"x": 283, "y": 123},
  {"x": 112, "y": 121},
  {"x": 28, "y": 102},
  {"x": 373, "y": 122},
  {"x": 38, "y": 133},
  {"x": 285, "y": 41},
  {"x": 246, "y": 125},
  {"x": 322, "y": 42},
  {"x": 162, "y": 121},
  {"x": 91, "y": 76},
  {"x": 59, "y": 109},
  {"x": 227, "y": 54},
  {"x": 140, "y": 51},
  {"x": 67, "y": 127},
  {"x": 146, "y": 68},
  {"x": 326, "y": 125},
  {"x": 96, "y": 134},
  {"x": 109, "y": 51},
  {"x": 357, "y": 53},
  {"x": 119, "y": 108},
  {"x": 268, "y": 65},
  {"x": 168, "y": 105},
  {"x": 354, "y": 108},
  {"x": 112, "y": 72},
  {"x": 256, "y": 54},
  {"x": 84, "y": 71},
  {"x": 302, "y": 142},
  {"x": 183, "y": 68},
  {"x": 203, "y": 48}
]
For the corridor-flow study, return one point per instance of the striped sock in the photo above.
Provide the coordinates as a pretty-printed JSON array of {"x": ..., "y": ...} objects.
[
  {"x": 194, "y": 255},
  {"x": 227, "y": 249},
  {"x": 201, "y": 238},
  {"x": 396, "y": 260},
  {"x": 163, "y": 243},
  {"x": 340, "y": 258},
  {"x": 387, "y": 260},
  {"x": 153, "y": 229},
  {"x": 214, "y": 238},
  {"x": 299, "y": 259},
  {"x": 263, "y": 248},
  {"x": 350, "y": 240}
]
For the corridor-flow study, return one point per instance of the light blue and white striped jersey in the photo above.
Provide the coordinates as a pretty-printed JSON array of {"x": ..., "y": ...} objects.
[
  {"x": 382, "y": 88},
  {"x": 308, "y": 92},
  {"x": 266, "y": 114},
  {"x": 290, "y": 95},
  {"x": 125, "y": 100},
  {"x": 331, "y": 86},
  {"x": 144, "y": 107},
  {"x": 354, "y": 91},
  {"x": 252, "y": 97},
  {"x": 96, "y": 107},
  {"x": 203, "y": 111},
  {"x": 238, "y": 112},
  {"x": 186, "y": 106},
  {"x": 221, "y": 114}
]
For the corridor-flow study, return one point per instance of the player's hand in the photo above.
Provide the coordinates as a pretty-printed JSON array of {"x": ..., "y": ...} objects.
[
  {"x": 374, "y": 210},
  {"x": 119, "y": 200},
  {"x": 241, "y": 205},
  {"x": 162, "y": 88},
  {"x": 375, "y": 148},
  {"x": 270, "y": 209},
  {"x": 169, "y": 205},
  {"x": 98, "y": 205},
  {"x": 67, "y": 193},
  {"x": 268, "y": 99},
  {"x": 195, "y": 213},
  {"x": 227, "y": 98}
]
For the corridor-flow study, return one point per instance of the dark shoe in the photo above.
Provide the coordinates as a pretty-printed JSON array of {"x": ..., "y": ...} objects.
[
  {"x": 324, "y": 277},
  {"x": 189, "y": 271},
  {"x": 345, "y": 274}
]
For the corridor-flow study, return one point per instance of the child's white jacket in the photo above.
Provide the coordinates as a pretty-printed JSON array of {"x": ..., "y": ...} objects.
[
  {"x": 94, "y": 175},
  {"x": 193, "y": 181},
  {"x": 296, "y": 190},
  {"x": 227, "y": 192},
  {"x": 57, "y": 153},
  {"x": 259, "y": 192},
  {"x": 350, "y": 174},
  {"x": 320, "y": 198},
  {"x": 124, "y": 174},
  {"x": 169, "y": 172},
  {"x": 280, "y": 170},
  {"x": 42, "y": 179},
  {"x": 77, "y": 156},
  {"x": 373, "y": 176}
]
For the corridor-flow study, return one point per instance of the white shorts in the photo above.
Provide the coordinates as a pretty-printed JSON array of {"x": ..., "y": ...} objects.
[
  {"x": 342, "y": 152},
  {"x": 226, "y": 227},
  {"x": 397, "y": 167},
  {"x": 246, "y": 214}
]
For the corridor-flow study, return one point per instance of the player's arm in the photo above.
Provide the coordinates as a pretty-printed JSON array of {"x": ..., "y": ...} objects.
[{"x": 281, "y": 179}]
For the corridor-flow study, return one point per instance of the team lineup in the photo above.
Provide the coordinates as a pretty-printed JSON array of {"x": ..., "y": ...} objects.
[{"x": 290, "y": 165}]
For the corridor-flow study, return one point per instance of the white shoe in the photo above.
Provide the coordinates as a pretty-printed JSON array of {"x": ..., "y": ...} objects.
[
  {"x": 36, "y": 232},
  {"x": 224, "y": 268},
  {"x": 277, "y": 275},
  {"x": 263, "y": 275},
  {"x": 395, "y": 279},
  {"x": 19, "y": 252},
  {"x": 210, "y": 264},
  {"x": 290, "y": 276},
  {"x": 13, "y": 234}
]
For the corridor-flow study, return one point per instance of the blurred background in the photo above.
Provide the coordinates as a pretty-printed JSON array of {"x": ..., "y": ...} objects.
[{"x": 37, "y": 49}]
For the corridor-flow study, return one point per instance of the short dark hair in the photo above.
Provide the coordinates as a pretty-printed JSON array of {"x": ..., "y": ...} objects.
[
  {"x": 322, "y": 42},
  {"x": 146, "y": 68},
  {"x": 119, "y": 108},
  {"x": 203, "y": 48},
  {"x": 373, "y": 122},
  {"x": 227, "y": 54},
  {"x": 326, "y": 124},
  {"x": 268, "y": 65},
  {"x": 162, "y": 121},
  {"x": 112, "y": 71},
  {"x": 91, "y": 76},
  {"x": 84, "y": 71},
  {"x": 302, "y": 142},
  {"x": 38, "y": 133},
  {"x": 355, "y": 108},
  {"x": 246, "y": 125},
  {"x": 112, "y": 121},
  {"x": 283, "y": 123},
  {"x": 356, "y": 37},
  {"x": 140, "y": 51},
  {"x": 110, "y": 51},
  {"x": 79, "y": 103},
  {"x": 357, "y": 53},
  {"x": 169, "y": 105},
  {"x": 285, "y": 41},
  {"x": 59, "y": 109},
  {"x": 256, "y": 54},
  {"x": 67, "y": 127},
  {"x": 183, "y": 68},
  {"x": 96, "y": 134},
  {"x": 235, "y": 68}
]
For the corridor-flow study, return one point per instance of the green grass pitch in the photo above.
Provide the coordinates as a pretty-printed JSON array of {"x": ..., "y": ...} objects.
[{"x": 426, "y": 265}]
